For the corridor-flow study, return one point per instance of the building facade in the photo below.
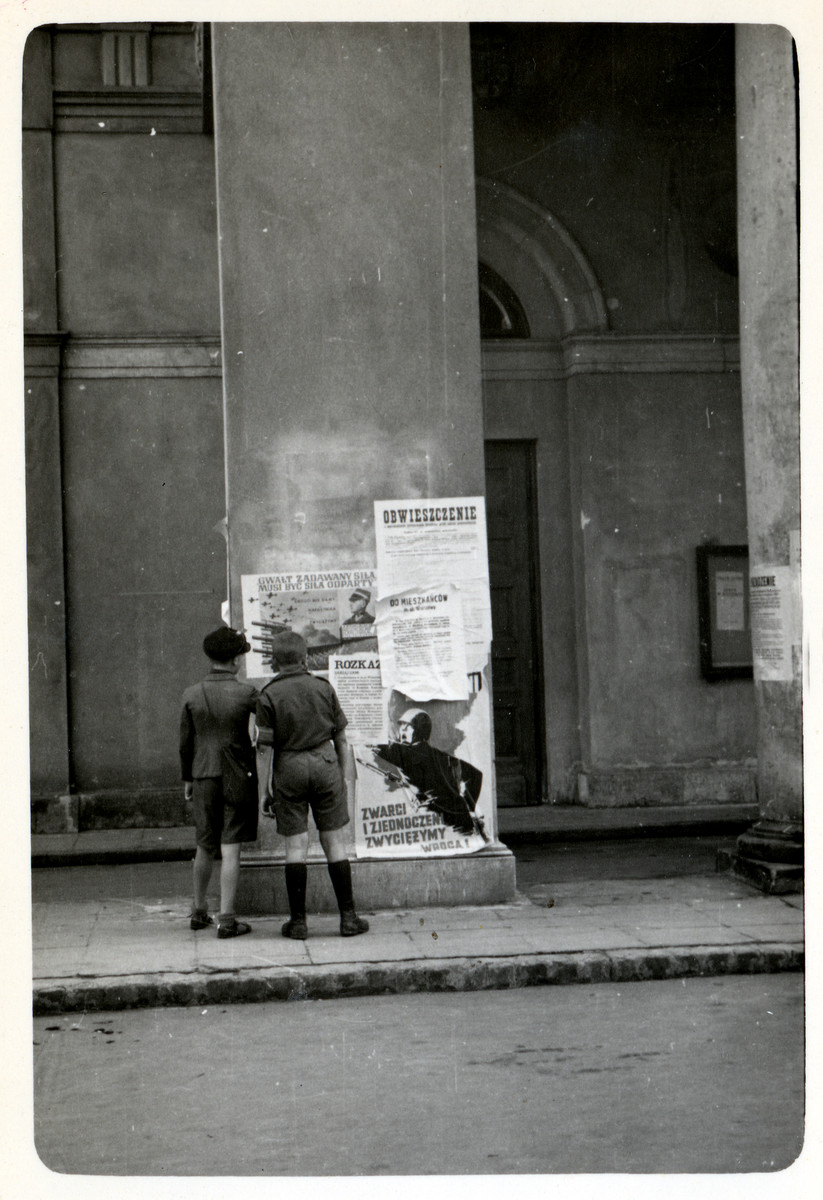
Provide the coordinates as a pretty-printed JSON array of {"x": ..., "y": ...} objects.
[{"x": 273, "y": 267}]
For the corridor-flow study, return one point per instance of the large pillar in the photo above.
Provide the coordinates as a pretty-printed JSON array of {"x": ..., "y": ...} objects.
[
  {"x": 770, "y": 854},
  {"x": 53, "y": 809},
  {"x": 348, "y": 266}
]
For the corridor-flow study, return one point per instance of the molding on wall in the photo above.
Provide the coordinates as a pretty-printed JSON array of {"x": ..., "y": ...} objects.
[
  {"x": 157, "y": 356},
  {"x": 612, "y": 354},
  {"x": 129, "y": 111},
  {"x": 41, "y": 354},
  {"x": 523, "y": 360},
  {"x": 92, "y": 356},
  {"x": 122, "y": 77},
  {"x": 661, "y": 354}
]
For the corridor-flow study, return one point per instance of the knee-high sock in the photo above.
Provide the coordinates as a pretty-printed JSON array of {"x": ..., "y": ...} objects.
[
  {"x": 296, "y": 874},
  {"x": 340, "y": 873}
]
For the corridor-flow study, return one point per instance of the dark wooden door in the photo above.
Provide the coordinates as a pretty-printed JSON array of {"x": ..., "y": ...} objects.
[{"x": 516, "y": 651}]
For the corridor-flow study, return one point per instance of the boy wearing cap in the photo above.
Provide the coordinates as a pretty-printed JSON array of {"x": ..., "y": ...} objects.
[
  {"x": 215, "y": 716},
  {"x": 301, "y": 755}
]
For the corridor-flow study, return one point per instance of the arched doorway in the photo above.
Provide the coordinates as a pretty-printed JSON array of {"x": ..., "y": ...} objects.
[{"x": 536, "y": 290}]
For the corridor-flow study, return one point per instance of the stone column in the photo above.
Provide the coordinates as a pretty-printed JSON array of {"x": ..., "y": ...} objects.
[
  {"x": 53, "y": 810},
  {"x": 348, "y": 262},
  {"x": 770, "y": 854}
]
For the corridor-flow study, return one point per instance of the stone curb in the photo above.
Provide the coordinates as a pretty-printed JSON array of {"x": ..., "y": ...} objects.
[{"x": 248, "y": 986}]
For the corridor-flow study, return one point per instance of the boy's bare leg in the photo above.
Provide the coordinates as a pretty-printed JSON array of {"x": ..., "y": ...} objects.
[
  {"x": 229, "y": 876},
  {"x": 227, "y": 924},
  {"x": 297, "y": 847},
  {"x": 201, "y": 873},
  {"x": 334, "y": 843}
]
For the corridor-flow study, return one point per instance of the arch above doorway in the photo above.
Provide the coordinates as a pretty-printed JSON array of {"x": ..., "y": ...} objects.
[
  {"x": 526, "y": 426},
  {"x": 540, "y": 261}
]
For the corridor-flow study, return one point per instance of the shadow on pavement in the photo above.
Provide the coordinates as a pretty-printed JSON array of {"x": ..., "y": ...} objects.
[{"x": 616, "y": 858}]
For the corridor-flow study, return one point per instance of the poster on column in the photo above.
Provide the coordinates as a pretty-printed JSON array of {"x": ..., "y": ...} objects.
[
  {"x": 359, "y": 687},
  {"x": 425, "y": 790},
  {"x": 774, "y": 620},
  {"x": 329, "y": 609},
  {"x": 430, "y": 545},
  {"x": 422, "y": 646}
]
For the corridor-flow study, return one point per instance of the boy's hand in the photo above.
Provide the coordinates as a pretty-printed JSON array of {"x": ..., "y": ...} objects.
[
  {"x": 267, "y": 807},
  {"x": 188, "y": 791}
]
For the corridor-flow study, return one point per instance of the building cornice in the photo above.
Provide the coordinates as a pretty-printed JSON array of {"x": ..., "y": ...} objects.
[
  {"x": 42, "y": 353},
  {"x": 155, "y": 356},
  {"x": 612, "y": 354},
  {"x": 129, "y": 111},
  {"x": 95, "y": 356}
]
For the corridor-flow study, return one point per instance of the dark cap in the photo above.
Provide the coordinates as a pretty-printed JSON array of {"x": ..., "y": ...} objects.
[
  {"x": 224, "y": 644},
  {"x": 360, "y": 594}
]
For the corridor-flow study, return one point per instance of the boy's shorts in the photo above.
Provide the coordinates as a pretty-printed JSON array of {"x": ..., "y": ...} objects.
[
  {"x": 217, "y": 822},
  {"x": 306, "y": 779}
]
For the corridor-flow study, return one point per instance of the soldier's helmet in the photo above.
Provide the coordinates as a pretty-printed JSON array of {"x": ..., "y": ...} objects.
[{"x": 418, "y": 722}]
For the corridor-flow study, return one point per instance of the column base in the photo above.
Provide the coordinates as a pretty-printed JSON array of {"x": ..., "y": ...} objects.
[
  {"x": 769, "y": 856},
  {"x": 487, "y": 877}
]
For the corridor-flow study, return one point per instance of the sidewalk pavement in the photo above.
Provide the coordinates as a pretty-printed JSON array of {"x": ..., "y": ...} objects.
[{"x": 95, "y": 950}]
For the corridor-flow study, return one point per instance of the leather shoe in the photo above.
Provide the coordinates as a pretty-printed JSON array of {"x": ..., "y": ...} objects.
[
  {"x": 200, "y": 919},
  {"x": 351, "y": 925},
  {"x": 232, "y": 929},
  {"x": 296, "y": 928}
]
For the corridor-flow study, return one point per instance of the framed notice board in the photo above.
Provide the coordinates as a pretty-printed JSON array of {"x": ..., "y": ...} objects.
[{"x": 723, "y": 612}]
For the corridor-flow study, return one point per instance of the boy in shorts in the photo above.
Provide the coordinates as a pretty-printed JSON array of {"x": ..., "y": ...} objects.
[
  {"x": 215, "y": 716},
  {"x": 301, "y": 756}
]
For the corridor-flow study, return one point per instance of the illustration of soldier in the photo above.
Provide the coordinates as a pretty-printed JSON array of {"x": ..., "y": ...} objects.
[
  {"x": 437, "y": 781},
  {"x": 359, "y": 605}
]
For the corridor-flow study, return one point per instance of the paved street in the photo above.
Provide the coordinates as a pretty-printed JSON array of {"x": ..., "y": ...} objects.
[
  {"x": 694, "y": 1075},
  {"x": 676, "y": 1075}
]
